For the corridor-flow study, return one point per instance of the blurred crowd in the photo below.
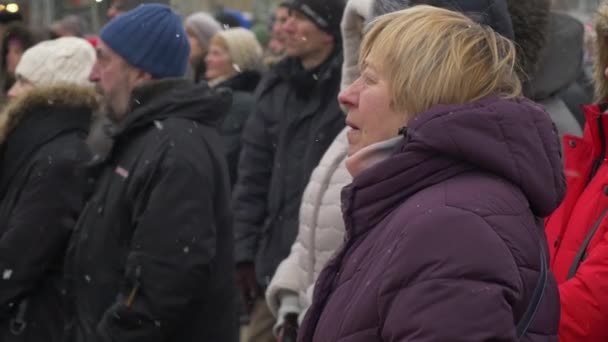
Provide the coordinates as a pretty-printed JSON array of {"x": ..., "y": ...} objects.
[{"x": 361, "y": 170}]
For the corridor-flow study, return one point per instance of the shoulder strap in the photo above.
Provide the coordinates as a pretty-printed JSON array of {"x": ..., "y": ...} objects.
[{"x": 526, "y": 319}]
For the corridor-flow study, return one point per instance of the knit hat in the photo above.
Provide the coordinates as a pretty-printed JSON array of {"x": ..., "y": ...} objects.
[
  {"x": 203, "y": 26},
  {"x": 244, "y": 49},
  {"x": 233, "y": 18},
  {"x": 326, "y": 14},
  {"x": 150, "y": 37},
  {"x": 63, "y": 60}
]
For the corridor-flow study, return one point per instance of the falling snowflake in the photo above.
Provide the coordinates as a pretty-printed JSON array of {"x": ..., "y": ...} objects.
[
  {"x": 7, "y": 274},
  {"x": 158, "y": 124}
]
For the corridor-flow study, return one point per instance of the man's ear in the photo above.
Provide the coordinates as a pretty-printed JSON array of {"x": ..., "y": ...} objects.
[
  {"x": 145, "y": 75},
  {"x": 142, "y": 77},
  {"x": 328, "y": 38}
]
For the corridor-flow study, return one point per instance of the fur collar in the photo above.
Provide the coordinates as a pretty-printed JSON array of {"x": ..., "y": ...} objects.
[
  {"x": 43, "y": 98},
  {"x": 531, "y": 27},
  {"x": 601, "y": 53}
]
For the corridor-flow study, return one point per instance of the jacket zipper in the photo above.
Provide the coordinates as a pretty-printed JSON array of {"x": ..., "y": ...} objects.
[
  {"x": 582, "y": 252},
  {"x": 602, "y": 137}
]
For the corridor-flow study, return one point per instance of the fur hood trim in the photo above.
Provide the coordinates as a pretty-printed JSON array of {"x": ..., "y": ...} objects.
[
  {"x": 601, "y": 53},
  {"x": 43, "y": 98}
]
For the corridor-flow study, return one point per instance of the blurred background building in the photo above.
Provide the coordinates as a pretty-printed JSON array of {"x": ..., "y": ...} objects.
[{"x": 42, "y": 13}]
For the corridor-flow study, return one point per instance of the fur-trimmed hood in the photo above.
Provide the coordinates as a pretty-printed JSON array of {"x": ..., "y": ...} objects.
[
  {"x": 49, "y": 100},
  {"x": 530, "y": 22},
  {"x": 601, "y": 53},
  {"x": 546, "y": 41}
]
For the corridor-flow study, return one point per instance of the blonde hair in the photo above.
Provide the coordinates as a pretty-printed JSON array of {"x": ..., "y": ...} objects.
[
  {"x": 434, "y": 56},
  {"x": 219, "y": 41}
]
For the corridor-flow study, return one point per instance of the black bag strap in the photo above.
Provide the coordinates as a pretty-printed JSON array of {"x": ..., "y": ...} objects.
[
  {"x": 537, "y": 296},
  {"x": 582, "y": 251}
]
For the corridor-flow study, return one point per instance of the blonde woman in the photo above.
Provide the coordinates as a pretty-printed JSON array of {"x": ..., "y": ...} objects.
[
  {"x": 234, "y": 61},
  {"x": 443, "y": 240}
]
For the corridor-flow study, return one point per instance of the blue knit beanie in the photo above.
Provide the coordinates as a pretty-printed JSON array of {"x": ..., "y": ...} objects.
[{"x": 150, "y": 37}]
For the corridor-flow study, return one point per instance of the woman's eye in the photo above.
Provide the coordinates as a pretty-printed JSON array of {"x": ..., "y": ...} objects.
[{"x": 368, "y": 80}]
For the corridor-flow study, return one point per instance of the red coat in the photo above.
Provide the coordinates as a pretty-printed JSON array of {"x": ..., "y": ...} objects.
[{"x": 584, "y": 292}]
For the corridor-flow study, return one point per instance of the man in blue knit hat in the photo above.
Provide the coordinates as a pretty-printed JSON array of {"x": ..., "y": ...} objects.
[{"x": 151, "y": 255}]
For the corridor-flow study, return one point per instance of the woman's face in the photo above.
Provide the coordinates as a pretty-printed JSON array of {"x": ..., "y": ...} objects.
[
  {"x": 13, "y": 56},
  {"x": 218, "y": 62},
  {"x": 370, "y": 116},
  {"x": 21, "y": 87}
]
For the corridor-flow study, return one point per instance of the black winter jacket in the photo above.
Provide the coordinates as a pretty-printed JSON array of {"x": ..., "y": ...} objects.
[
  {"x": 42, "y": 190},
  {"x": 296, "y": 118},
  {"x": 151, "y": 256},
  {"x": 243, "y": 86}
]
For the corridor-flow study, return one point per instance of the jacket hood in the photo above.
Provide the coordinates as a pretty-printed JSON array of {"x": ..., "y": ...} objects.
[
  {"x": 601, "y": 53},
  {"x": 53, "y": 100},
  {"x": 36, "y": 118},
  {"x": 531, "y": 27},
  {"x": 549, "y": 45},
  {"x": 174, "y": 98},
  {"x": 513, "y": 139},
  {"x": 559, "y": 63}
]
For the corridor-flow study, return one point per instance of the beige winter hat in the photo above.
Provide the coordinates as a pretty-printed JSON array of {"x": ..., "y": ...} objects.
[
  {"x": 244, "y": 49},
  {"x": 60, "y": 61}
]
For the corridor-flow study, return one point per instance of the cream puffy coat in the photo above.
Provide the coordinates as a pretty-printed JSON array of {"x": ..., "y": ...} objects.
[{"x": 321, "y": 230}]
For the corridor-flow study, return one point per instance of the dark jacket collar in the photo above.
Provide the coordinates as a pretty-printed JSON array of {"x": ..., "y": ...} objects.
[
  {"x": 156, "y": 101},
  {"x": 174, "y": 98},
  {"x": 246, "y": 81},
  {"x": 290, "y": 70}
]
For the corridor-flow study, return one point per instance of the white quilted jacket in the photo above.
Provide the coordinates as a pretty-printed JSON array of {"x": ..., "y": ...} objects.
[{"x": 321, "y": 228}]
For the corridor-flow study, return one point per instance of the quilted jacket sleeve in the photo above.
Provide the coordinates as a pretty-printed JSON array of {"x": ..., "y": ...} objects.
[
  {"x": 584, "y": 298},
  {"x": 251, "y": 190},
  {"x": 458, "y": 286}
]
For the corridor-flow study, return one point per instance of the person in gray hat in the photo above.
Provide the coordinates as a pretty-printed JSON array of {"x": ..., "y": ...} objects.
[{"x": 200, "y": 27}]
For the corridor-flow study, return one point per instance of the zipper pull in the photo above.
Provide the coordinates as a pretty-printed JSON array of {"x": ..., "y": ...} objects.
[{"x": 135, "y": 288}]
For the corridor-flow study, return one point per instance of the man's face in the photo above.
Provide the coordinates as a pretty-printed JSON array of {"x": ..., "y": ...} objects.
[
  {"x": 114, "y": 81},
  {"x": 302, "y": 36},
  {"x": 116, "y": 9},
  {"x": 281, "y": 16}
]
